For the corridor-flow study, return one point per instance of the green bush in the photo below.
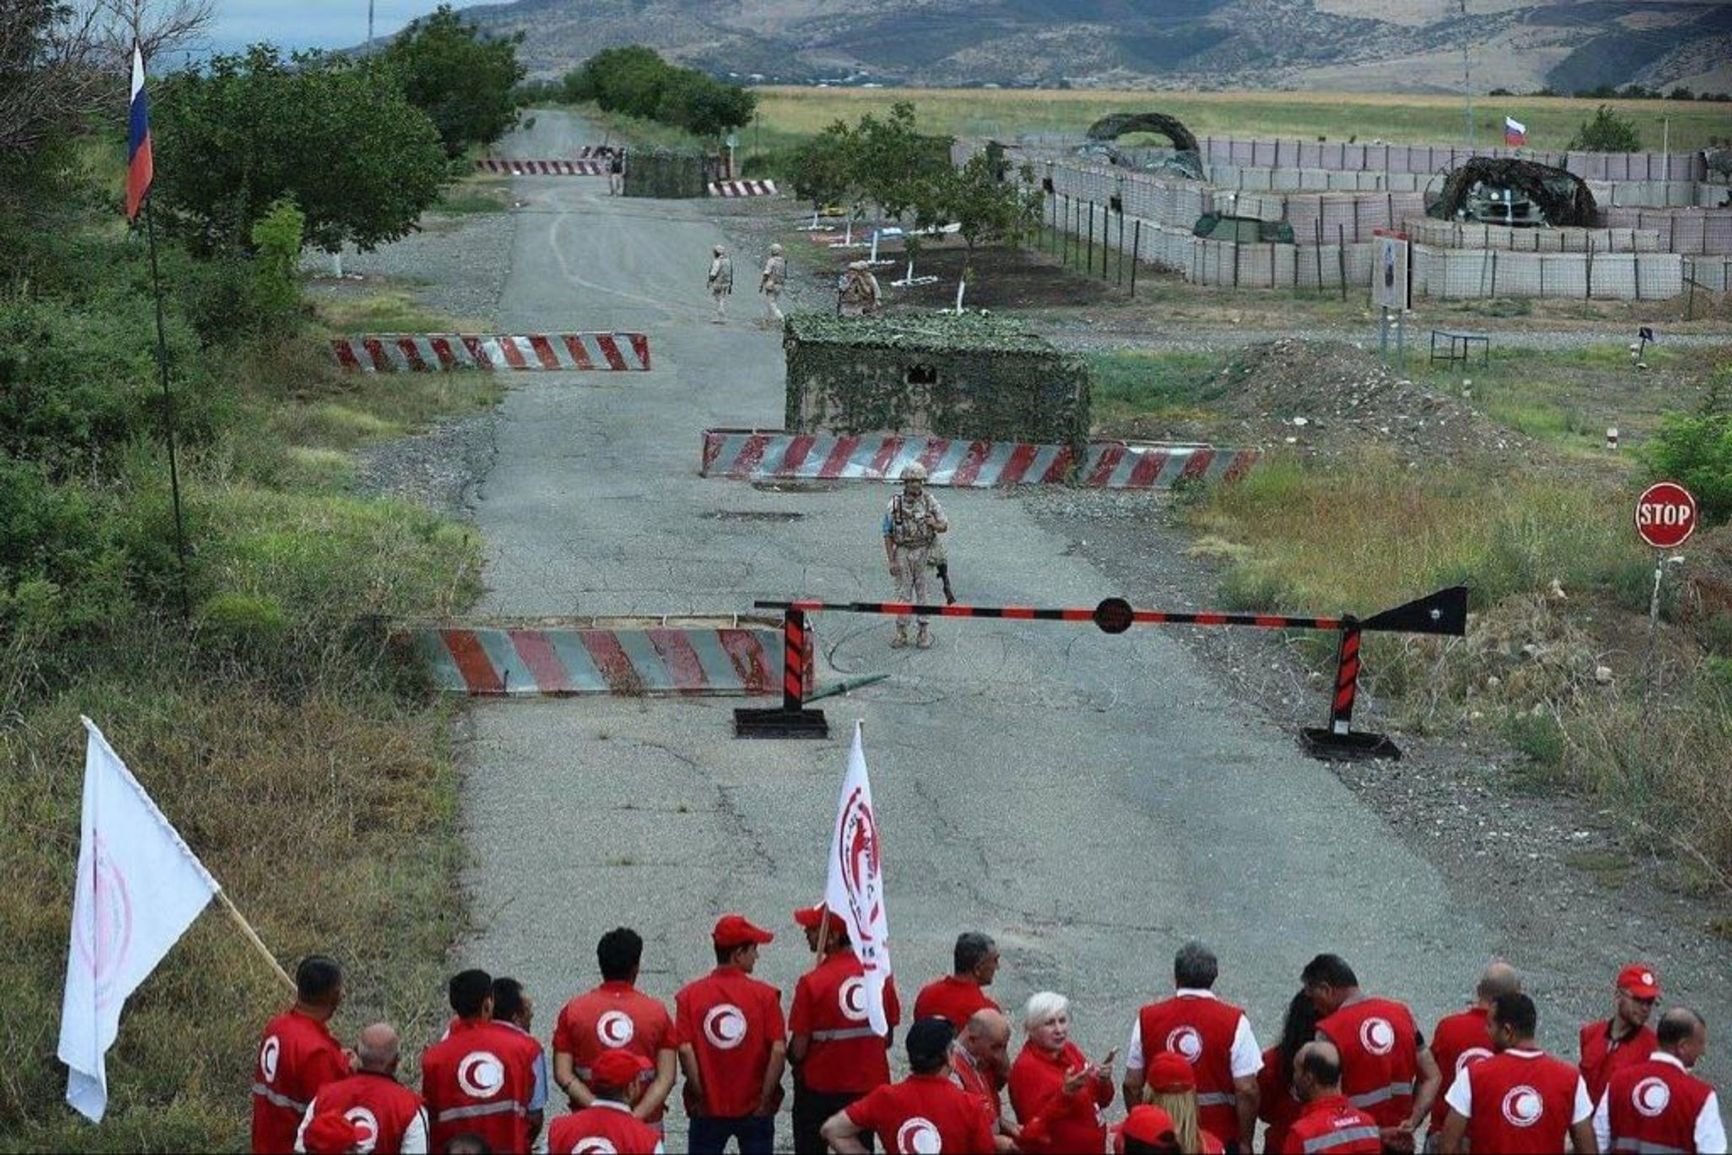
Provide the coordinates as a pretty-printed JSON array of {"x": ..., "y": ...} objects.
[
  {"x": 277, "y": 253},
  {"x": 463, "y": 80},
  {"x": 636, "y": 81},
  {"x": 1695, "y": 450},
  {"x": 1606, "y": 132}
]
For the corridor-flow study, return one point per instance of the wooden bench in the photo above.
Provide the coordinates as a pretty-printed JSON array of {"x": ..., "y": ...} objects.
[{"x": 1459, "y": 346}]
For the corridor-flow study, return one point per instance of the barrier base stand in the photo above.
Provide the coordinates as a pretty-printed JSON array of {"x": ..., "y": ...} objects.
[
  {"x": 780, "y": 723},
  {"x": 1321, "y": 742}
]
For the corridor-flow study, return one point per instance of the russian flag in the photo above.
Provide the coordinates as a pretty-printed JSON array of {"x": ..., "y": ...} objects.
[
  {"x": 1515, "y": 133},
  {"x": 139, "y": 168}
]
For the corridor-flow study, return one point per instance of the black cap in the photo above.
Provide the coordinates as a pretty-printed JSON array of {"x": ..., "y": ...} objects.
[{"x": 929, "y": 1042}]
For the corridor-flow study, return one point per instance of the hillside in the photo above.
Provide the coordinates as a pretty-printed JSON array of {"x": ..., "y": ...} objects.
[{"x": 1341, "y": 45}]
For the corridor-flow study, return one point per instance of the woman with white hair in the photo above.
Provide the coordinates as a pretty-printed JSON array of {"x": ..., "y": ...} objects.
[{"x": 1056, "y": 1092}]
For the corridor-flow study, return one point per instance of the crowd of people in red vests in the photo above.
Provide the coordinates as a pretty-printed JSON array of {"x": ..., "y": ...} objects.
[{"x": 1350, "y": 1072}]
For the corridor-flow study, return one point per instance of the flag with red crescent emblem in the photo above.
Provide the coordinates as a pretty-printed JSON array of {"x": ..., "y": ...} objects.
[{"x": 855, "y": 887}]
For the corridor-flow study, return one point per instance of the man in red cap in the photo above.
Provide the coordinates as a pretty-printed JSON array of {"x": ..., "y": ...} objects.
[
  {"x": 616, "y": 1015},
  {"x": 1625, "y": 1039},
  {"x": 956, "y": 996},
  {"x": 837, "y": 1056},
  {"x": 1386, "y": 1069},
  {"x": 1147, "y": 1130},
  {"x": 924, "y": 1112},
  {"x": 616, "y": 1082},
  {"x": 1328, "y": 1122},
  {"x": 481, "y": 1076},
  {"x": 733, "y": 1045},
  {"x": 389, "y": 1116},
  {"x": 1521, "y": 1101},
  {"x": 331, "y": 1134},
  {"x": 297, "y": 1055},
  {"x": 1659, "y": 1105},
  {"x": 1464, "y": 1038}
]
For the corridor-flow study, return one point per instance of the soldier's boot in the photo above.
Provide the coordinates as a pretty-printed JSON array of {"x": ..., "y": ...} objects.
[
  {"x": 922, "y": 639},
  {"x": 901, "y": 638}
]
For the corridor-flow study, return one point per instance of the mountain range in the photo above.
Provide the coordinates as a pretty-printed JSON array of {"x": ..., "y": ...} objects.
[{"x": 1341, "y": 45}]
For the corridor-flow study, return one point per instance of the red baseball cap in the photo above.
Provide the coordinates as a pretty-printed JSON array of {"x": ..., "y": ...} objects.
[
  {"x": 810, "y": 916},
  {"x": 330, "y": 1134},
  {"x": 1639, "y": 980},
  {"x": 1146, "y": 1124},
  {"x": 616, "y": 1069},
  {"x": 1170, "y": 1071},
  {"x": 735, "y": 930}
]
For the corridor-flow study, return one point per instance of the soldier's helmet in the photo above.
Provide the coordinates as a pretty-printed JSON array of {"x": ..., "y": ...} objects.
[{"x": 915, "y": 472}]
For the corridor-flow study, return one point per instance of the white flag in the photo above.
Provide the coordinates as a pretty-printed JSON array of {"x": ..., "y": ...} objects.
[
  {"x": 138, "y": 889},
  {"x": 855, "y": 888}
]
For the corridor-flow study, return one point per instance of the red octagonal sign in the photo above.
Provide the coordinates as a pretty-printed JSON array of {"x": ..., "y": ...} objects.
[{"x": 1666, "y": 515}]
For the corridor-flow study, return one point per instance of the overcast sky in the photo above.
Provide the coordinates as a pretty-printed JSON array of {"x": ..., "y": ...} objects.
[{"x": 309, "y": 23}]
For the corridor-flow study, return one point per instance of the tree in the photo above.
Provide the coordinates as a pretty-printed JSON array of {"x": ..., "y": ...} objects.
[
  {"x": 1682, "y": 92},
  {"x": 628, "y": 80},
  {"x": 891, "y": 159},
  {"x": 461, "y": 79},
  {"x": 1606, "y": 132},
  {"x": 987, "y": 210},
  {"x": 338, "y": 137},
  {"x": 823, "y": 167}
]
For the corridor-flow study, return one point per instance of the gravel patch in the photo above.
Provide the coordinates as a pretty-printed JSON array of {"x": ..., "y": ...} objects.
[
  {"x": 439, "y": 468},
  {"x": 1080, "y": 337},
  {"x": 440, "y": 261}
]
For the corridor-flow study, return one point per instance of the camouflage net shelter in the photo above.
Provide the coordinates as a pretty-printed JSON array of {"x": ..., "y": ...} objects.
[
  {"x": 972, "y": 375},
  {"x": 1186, "y": 158},
  {"x": 1562, "y": 196},
  {"x": 666, "y": 173}
]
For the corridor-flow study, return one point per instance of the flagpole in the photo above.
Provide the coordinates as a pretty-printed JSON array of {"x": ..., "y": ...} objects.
[
  {"x": 168, "y": 414},
  {"x": 253, "y": 937}
]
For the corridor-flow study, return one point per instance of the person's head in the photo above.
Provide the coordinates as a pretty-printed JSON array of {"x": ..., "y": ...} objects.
[
  {"x": 319, "y": 985},
  {"x": 330, "y": 1133},
  {"x": 1181, "y": 1108},
  {"x": 737, "y": 941},
  {"x": 511, "y": 1004},
  {"x": 1297, "y": 1029},
  {"x": 1329, "y": 981},
  {"x": 1513, "y": 1020},
  {"x": 471, "y": 994},
  {"x": 618, "y": 954},
  {"x": 1683, "y": 1035},
  {"x": 929, "y": 1045},
  {"x": 986, "y": 1038},
  {"x": 811, "y": 920},
  {"x": 914, "y": 479},
  {"x": 1638, "y": 989},
  {"x": 378, "y": 1049},
  {"x": 1046, "y": 1020},
  {"x": 1317, "y": 1071},
  {"x": 1147, "y": 1130},
  {"x": 617, "y": 1074},
  {"x": 720, "y": 250},
  {"x": 1195, "y": 968},
  {"x": 775, "y": 250},
  {"x": 976, "y": 957},
  {"x": 468, "y": 1143},
  {"x": 1498, "y": 978}
]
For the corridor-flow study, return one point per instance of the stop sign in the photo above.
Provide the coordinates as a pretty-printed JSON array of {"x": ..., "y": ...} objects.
[{"x": 1666, "y": 515}]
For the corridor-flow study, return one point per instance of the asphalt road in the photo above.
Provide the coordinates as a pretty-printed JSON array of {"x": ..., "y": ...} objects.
[{"x": 1091, "y": 801}]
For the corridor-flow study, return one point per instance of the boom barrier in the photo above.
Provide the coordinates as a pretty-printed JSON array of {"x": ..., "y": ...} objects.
[{"x": 1443, "y": 612}]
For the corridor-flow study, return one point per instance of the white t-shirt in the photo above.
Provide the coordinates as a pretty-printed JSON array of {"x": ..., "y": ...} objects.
[{"x": 1246, "y": 1058}]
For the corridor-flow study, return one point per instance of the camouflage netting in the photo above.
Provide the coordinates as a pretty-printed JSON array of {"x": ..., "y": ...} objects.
[
  {"x": 1120, "y": 123},
  {"x": 974, "y": 375},
  {"x": 665, "y": 173},
  {"x": 1562, "y": 196}
]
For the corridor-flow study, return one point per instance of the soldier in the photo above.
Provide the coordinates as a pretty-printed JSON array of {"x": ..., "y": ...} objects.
[
  {"x": 615, "y": 172},
  {"x": 770, "y": 284},
  {"x": 857, "y": 291},
  {"x": 721, "y": 281},
  {"x": 912, "y": 524}
]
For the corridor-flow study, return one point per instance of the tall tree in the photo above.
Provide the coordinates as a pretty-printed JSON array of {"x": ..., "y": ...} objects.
[
  {"x": 988, "y": 210},
  {"x": 463, "y": 80}
]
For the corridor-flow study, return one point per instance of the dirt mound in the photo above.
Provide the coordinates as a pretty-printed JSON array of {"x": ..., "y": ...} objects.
[{"x": 1331, "y": 398}]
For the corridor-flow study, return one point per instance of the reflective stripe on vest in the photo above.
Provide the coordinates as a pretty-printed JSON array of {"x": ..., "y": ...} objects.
[
  {"x": 844, "y": 1033},
  {"x": 1341, "y": 1138},
  {"x": 1381, "y": 1095},
  {"x": 278, "y": 1100},
  {"x": 1643, "y": 1147},
  {"x": 478, "y": 1110},
  {"x": 1217, "y": 1099}
]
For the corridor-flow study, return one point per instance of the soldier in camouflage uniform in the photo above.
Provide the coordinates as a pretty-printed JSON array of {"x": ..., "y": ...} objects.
[{"x": 912, "y": 524}]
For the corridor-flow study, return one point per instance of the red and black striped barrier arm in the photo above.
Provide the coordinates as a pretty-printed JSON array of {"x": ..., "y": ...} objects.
[{"x": 1113, "y": 615}]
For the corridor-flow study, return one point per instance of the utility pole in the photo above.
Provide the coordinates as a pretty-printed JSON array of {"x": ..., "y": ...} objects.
[
  {"x": 1467, "y": 78},
  {"x": 370, "y": 20}
]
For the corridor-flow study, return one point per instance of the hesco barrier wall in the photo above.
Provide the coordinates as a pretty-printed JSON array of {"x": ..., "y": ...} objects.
[
  {"x": 1421, "y": 158},
  {"x": 1679, "y": 230},
  {"x": 1602, "y": 276},
  {"x": 1457, "y": 235},
  {"x": 1656, "y": 193},
  {"x": 1711, "y": 273}
]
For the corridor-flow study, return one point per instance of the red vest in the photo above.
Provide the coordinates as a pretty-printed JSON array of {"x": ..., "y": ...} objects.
[
  {"x": 602, "y": 1128},
  {"x": 1202, "y": 1031},
  {"x": 1602, "y": 1058},
  {"x": 1333, "y": 1125},
  {"x": 479, "y": 1078},
  {"x": 1653, "y": 1106},
  {"x": 1460, "y": 1039},
  {"x": 297, "y": 1056},
  {"x": 844, "y": 1055},
  {"x": 380, "y": 1108},
  {"x": 1379, "y": 1048},
  {"x": 1523, "y": 1102}
]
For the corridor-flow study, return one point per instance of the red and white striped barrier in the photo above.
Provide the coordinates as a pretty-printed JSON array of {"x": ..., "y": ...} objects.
[
  {"x": 742, "y": 188},
  {"x": 635, "y": 662},
  {"x": 751, "y": 455},
  {"x": 543, "y": 167},
  {"x": 436, "y": 352}
]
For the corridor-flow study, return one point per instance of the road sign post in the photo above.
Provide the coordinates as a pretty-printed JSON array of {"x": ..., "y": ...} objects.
[{"x": 1665, "y": 519}]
